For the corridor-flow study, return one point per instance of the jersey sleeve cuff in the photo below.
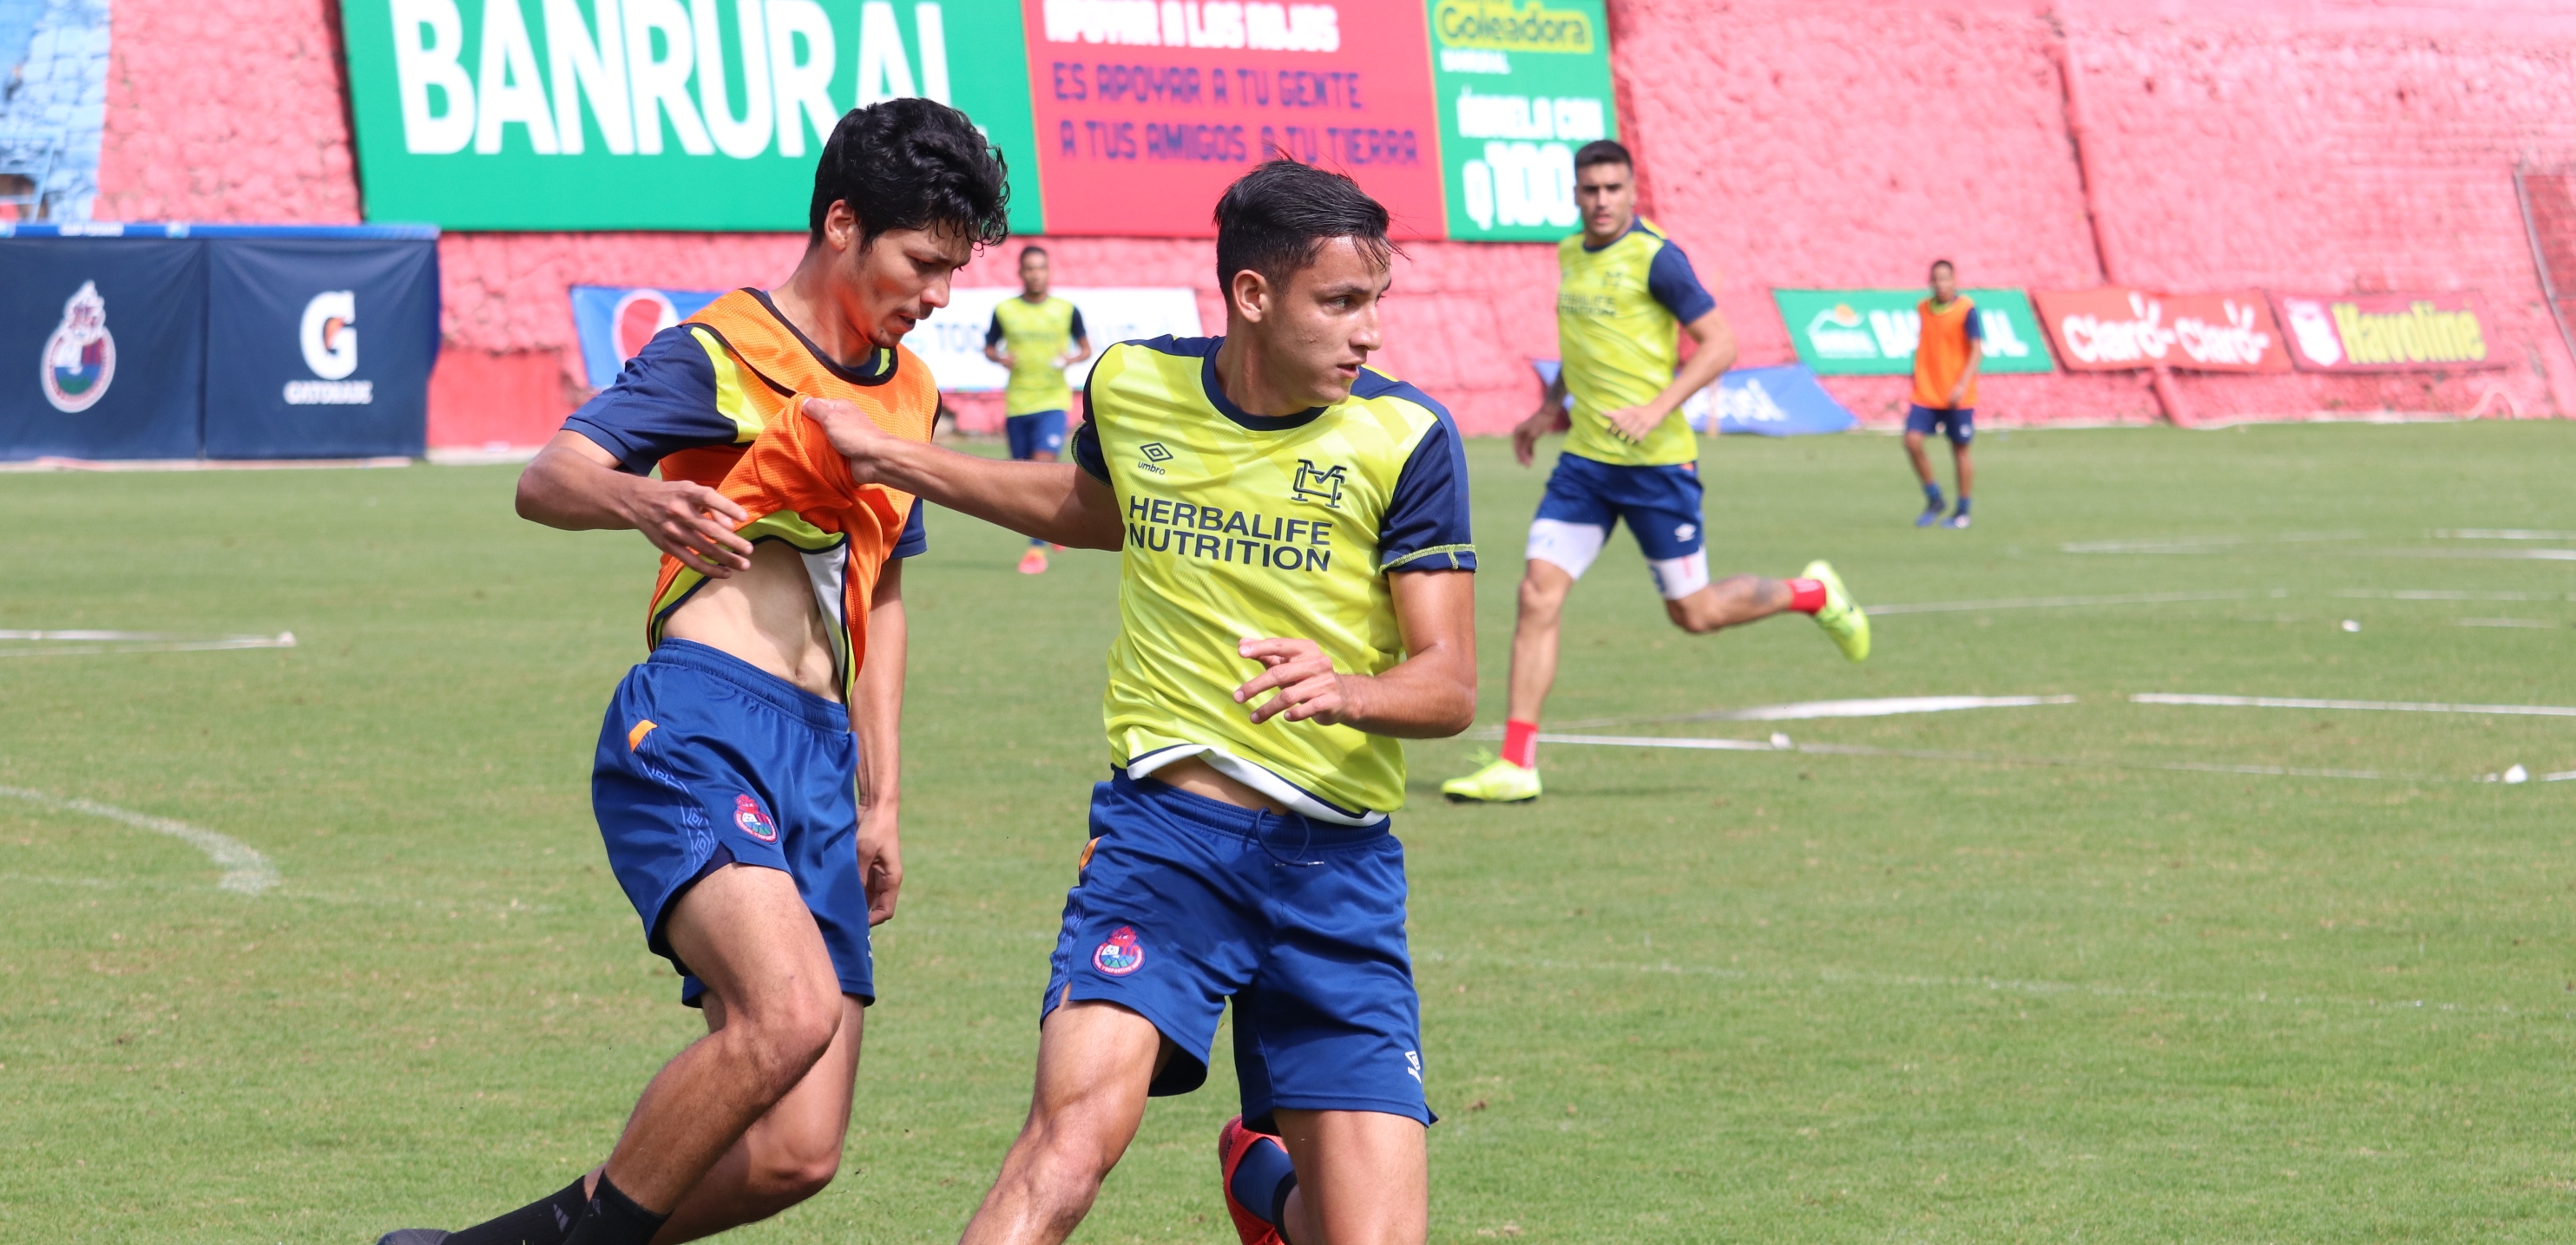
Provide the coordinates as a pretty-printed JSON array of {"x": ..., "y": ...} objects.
[{"x": 1435, "y": 558}]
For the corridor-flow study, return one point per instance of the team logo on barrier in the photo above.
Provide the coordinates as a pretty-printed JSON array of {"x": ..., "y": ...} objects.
[
  {"x": 329, "y": 335},
  {"x": 747, "y": 814},
  {"x": 1121, "y": 955},
  {"x": 80, "y": 358}
]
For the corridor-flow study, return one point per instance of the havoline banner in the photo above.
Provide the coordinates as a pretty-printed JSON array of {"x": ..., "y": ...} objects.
[
  {"x": 1116, "y": 116},
  {"x": 1872, "y": 332}
]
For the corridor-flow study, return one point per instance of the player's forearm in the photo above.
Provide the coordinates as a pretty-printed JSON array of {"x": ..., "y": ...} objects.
[
  {"x": 1716, "y": 354},
  {"x": 567, "y": 488},
  {"x": 876, "y": 703},
  {"x": 1044, "y": 500},
  {"x": 1431, "y": 694}
]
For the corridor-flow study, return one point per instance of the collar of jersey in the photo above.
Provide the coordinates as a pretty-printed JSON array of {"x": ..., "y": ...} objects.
[
  {"x": 1635, "y": 224},
  {"x": 1242, "y": 418},
  {"x": 877, "y": 377}
]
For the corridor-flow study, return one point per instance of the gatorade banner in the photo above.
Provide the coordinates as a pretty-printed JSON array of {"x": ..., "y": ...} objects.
[
  {"x": 102, "y": 347},
  {"x": 951, "y": 341},
  {"x": 1115, "y": 117},
  {"x": 1872, "y": 332},
  {"x": 2115, "y": 329},
  {"x": 319, "y": 347},
  {"x": 614, "y": 322},
  {"x": 2385, "y": 332}
]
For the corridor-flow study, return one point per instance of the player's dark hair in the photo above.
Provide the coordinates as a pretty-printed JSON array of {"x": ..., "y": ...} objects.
[
  {"x": 1938, "y": 265},
  {"x": 912, "y": 164},
  {"x": 1601, "y": 151},
  {"x": 1034, "y": 249},
  {"x": 1275, "y": 219}
]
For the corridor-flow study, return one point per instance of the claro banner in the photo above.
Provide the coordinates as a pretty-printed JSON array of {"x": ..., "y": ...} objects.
[
  {"x": 2386, "y": 332},
  {"x": 2115, "y": 329},
  {"x": 1117, "y": 117},
  {"x": 1873, "y": 332}
]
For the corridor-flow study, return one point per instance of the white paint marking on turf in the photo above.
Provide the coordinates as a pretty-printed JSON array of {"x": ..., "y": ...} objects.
[
  {"x": 2505, "y": 622},
  {"x": 2032, "y": 603},
  {"x": 2497, "y": 533},
  {"x": 2200, "y": 544},
  {"x": 2561, "y": 776},
  {"x": 93, "y": 642},
  {"x": 2509, "y": 555},
  {"x": 2385, "y": 706},
  {"x": 2446, "y": 594},
  {"x": 245, "y": 870},
  {"x": 1882, "y": 707},
  {"x": 1782, "y": 743}
]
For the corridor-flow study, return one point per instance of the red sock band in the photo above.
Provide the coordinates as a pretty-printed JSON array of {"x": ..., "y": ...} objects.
[
  {"x": 1520, "y": 744},
  {"x": 1806, "y": 595}
]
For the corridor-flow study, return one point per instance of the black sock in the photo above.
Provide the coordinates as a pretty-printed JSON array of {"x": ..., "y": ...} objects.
[
  {"x": 615, "y": 1219},
  {"x": 544, "y": 1222}
]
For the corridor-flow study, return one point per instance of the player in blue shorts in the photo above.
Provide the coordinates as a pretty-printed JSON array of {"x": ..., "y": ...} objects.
[
  {"x": 1946, "y": 359},
  {"x": 1625, "y": 295},
  {"x": 1296, "y": 597},
  {"x": 1037, "y": 337}
]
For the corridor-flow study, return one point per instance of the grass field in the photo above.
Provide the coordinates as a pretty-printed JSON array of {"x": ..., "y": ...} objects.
[{"x": 1689, "y": 996}]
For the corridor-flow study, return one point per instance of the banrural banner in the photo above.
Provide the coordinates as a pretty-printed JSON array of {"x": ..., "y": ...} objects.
[
  {"x": 1115, "y": 116},
  {"x": 1872, "y": 332},
  {"x": 2385, "y": 332},
  {"x": 2115, "y": 329}
]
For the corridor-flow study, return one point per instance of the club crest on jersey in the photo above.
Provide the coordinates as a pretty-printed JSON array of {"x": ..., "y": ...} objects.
[
  {"x": 747, "y": 814},
  {"x": 1318, "y": 486},
  {"x": 1121, "y": 955}
]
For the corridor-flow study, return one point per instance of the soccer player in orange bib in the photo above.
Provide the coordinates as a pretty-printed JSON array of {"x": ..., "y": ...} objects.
[
  {"x": 749, "y": 823},
  {"x": 1946, "y": 356}
]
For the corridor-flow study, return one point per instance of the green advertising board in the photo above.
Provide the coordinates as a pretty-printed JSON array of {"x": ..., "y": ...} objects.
[
  {"x": 653, "y": 114},
  {"x": 1872, "y": 332},
  {"x": 1520, "y": 87}
]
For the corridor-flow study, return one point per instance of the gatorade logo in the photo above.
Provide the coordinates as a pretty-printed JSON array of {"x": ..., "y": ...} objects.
[{"x": 329, "y": 336}]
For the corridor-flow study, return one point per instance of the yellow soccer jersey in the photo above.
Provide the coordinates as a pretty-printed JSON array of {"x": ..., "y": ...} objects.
[
  {"x": 1244, "y": 527},
  {"x": 1619, "y": 312},
  {"x": 1035, "y": 335}
]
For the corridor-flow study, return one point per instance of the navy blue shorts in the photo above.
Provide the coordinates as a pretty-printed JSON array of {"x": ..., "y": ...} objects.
[
  {"x": 1185, "y": 901},
  {"x": 1960, "y": 423},
  {"x": 1034, "y": 432},
  {"x": 705, "y": 760},
  {"x": 1586, "y": 498}
]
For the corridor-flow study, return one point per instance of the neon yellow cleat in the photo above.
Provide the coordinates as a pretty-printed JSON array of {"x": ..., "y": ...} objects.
[
  {"x": 1499, "y": 783},
  {"x": 1841, "y": 618}
]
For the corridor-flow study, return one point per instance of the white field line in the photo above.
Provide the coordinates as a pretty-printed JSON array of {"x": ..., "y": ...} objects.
[
  {"x": 2496, "y": 533},
  {"x": 2200, "y": 544},
  {"x": 245, "y": 870},
  {"x": 2384, "y": 706},
  {"x": 2506, "y": 622},
  {"x": 2508, "y": 555},
  {"x": 2445, "y": 594},
  {"x": 2032, "y": 603},
  {"x": 1782, "y": 743},
  {"x": 1888, "y": 706},
  {"x": 92, "y": 642},
  {"x": 2561, "y": 776}
]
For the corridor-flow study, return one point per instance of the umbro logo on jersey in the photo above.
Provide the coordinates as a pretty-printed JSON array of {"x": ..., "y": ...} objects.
[
  {"x": 1154, "y": 454},
  {"x": 1318, "y": 486}
]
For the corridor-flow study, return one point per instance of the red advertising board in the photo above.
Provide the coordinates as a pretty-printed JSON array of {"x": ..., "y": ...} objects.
[
  {"x": 2115, "y": 328},
  {"x": 1145, "y": 112},
  {"x": 2385, "y": 332}
]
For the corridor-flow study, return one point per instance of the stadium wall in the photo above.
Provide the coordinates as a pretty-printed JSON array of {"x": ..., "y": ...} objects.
[{"x": 2192, "y": 145}]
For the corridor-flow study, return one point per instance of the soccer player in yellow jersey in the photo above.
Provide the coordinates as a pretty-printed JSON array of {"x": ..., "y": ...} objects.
[
  {"x": 1625, "y": 295},
  {"x": 1296, "y": 596},
  {"x": 1037, "y": 337}
]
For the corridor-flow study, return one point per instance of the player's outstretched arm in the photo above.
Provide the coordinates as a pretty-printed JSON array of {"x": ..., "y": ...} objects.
[
  {"x": 1431, "y": 694},
  {"x": 1057, "y": 502},
  {"x": 1716, "y": 353},
  {"x": 1550, "y": 417},
  {"x": 575, "y": 485}
]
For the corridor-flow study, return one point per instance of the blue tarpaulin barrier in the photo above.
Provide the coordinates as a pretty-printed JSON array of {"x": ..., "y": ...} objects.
[
  {"x": 221, "y": 341},
  {"x": 1781, "y": 401},
  {"x": 615, "y": 321}
]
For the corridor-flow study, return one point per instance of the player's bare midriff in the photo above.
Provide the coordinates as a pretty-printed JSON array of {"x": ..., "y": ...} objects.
[
  {"x": 1199, "y": 778},
  {"x": 764, "y": 616}
]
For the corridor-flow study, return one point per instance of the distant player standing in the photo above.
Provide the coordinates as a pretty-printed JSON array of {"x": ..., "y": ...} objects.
[
  {"x": 1624, "y": 297},
  {"x": 1946, "y": 358},
  {"x": 1037, "y": 337}
]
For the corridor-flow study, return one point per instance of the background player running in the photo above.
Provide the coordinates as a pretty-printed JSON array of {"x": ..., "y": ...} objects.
[
  {"x": 1946, "y": 357},
  {"x": 1294, "y": 598},
  {"x": 753, "y": 830},
  {"x": 1037, "y": 337},
  {"x": 1625, "y": 294}
]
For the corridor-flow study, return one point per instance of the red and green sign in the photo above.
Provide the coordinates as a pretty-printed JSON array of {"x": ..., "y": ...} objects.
[{"x": 1117, "y": 117}]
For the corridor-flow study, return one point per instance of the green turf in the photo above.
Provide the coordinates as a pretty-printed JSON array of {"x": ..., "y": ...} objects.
[{"x": 1688, "y": 996}]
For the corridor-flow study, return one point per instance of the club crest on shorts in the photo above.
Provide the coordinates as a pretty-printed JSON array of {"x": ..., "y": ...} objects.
[
  {"x": 1121, "y": 955},
  {"x": 747, "y": 814}
]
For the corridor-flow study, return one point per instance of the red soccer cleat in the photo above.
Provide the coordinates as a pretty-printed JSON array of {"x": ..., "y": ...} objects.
[{"x": 1232, "y": 1143}]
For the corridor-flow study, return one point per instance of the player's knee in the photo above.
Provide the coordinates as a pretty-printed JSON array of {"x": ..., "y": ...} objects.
[
  {"x": 1695, "y": 622},
  {"x": 1541, "y": 600},
  {"x": 1913, "y": 439},
  {"x": 792, "y": 1173},
  {"x": 789, "y": 1035}
]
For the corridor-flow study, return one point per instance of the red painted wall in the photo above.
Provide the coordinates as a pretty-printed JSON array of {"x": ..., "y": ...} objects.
[{"x": 2325, "y": 145}]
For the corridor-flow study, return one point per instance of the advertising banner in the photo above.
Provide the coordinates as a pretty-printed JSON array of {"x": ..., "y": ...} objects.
[
  {"x": 319, "y": 348},
  {"x": 952, "y": 340},
  {"x": 1872, "y": 332},
  {"x": 102, "y": 347},
  {"x": 2115, "y": 329},
  {"x": 614, "y": 322},
  {"x": 2385, "y": 332},
  {"x": 1116, "y": 117},
  {"x": 1780, "y": 401}
]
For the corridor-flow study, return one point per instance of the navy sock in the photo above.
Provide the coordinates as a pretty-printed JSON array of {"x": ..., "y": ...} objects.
[
  {"x": 615, "y": 1219},
  {"x": 1963, "y": 503},
  {"x": 1263, "y": 1181},
  {"x": 544, "y": 1222},
  {"x": 1932, "y": 496}
]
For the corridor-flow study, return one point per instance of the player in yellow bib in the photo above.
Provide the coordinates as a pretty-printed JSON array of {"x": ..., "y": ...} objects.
[
  {"x": 1625, "y": 295},
  {"x": 1295, "y": 597},
  {"x": 1037, "y": 337}
]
